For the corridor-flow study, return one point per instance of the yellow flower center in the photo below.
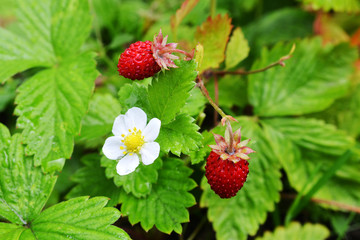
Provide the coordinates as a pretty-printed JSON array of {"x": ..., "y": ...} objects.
[{"x": 134, "y": 141}]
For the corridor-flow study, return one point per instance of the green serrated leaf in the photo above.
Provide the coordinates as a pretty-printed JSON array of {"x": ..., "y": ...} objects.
[
  {"x": 91, "y": 181},
  {"x": 9, "y": 231},
  {"x": 24, "y": 188},
  {"x": 199, "y": 156},
  {"x": 295, "y": 231},
  {"x": 195, "y": 104},
  {"x": 165, "y": 207},
  {"x": 350, "y": 6},
  {"x": 310, "y": 82},
  {"x": 320, "y": 146},
  {"x": 140, "y": 182},
  {"x": 237, "y": 49},
  {"x": 98, "y": 122},
  {"x": 134, "y": 95},
  {"x": 78, "y": 218},
  {"x": 51, "y": 105},
  {"x": 7, "y": 93},
  {"x": 168, "y": 92},
  {"x": 240, "y": 216},
  {"x": 70, "y": 26},
  {"x": 213, "y": 34},
  {"x": 180, "y": 136}
]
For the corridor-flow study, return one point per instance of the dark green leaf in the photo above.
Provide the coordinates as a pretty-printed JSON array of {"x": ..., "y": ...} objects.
[
  {"x": 165, "y": 207},
  {"x": 180, "y": 136},
  {"x": 139, "y": 182},
  {"x": 313, "y": 78}
]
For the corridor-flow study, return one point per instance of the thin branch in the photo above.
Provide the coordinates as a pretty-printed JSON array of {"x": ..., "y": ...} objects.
[{"x": 216, "y": 87}]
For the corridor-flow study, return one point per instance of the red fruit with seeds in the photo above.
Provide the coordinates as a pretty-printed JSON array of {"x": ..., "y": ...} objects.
[
  {"x": 144, "y": 59},
  {"x": 227, "y": 165},
  {"x": 137, "y": 62}
]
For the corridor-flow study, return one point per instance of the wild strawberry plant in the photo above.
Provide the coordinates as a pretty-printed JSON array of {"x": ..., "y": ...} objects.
[{"x": 126, "y": 108}]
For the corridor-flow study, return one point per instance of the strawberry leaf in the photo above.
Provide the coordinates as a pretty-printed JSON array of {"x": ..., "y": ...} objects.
[
  {"x": 213, "y": 34},
  {"x": 51, "y": 104},
  {"x": 165, "y": 207},
  {"x": 20, "y": 180},
  {"x": 98, "y": 122},
  {"x": 195, "y": 104},
  {"x": 91, "y": 181},
  {"x": 139, "y": 183},
  {"x": 237, "y": 49},
  {"x": 134, "y": 95},
  {"x": 169, "y": 91},
  {"x": 248, "y": 209},
  {"x": 350, "y": 6},
  {"x": 78, "y": 218},
  {"x": 295, "y": 231},
  {"x": 181, "y": 13},
  {"x": 320, "y": 144},
  {"x": 310, "y": 82},
  {"x": 180, "y": 136}
]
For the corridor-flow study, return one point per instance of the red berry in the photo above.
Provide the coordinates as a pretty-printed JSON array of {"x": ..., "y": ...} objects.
[
  {"x": 137, "y": 61},
  {"x": 226, "y": 177}
]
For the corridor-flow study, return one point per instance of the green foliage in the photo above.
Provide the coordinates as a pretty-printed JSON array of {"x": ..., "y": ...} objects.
[
  {"x": 351, "y": 6},
  {"x": 51, "y": 103},
  {"x": 165, "y": 207},
  {"x": 98, "y": 122},
  {"x": 314, "y": 144},
  {"x": 169, "y": 91},
  {"x": 20, "y": 180},
  {"x": 91, "y": 180},
  {"x": 195, "y": 103},
  {"x": 240, "y": 216},
  {"x": 78, "y": 218},
  {"x": 180, "y": 136},
  {"x": 310, "y": 84},
  {"x": 297, "y": 232},
  {"x": 7, "y": 93},
  {"x": 139, "y": 183},
  {"x": 237, "y": 49}
]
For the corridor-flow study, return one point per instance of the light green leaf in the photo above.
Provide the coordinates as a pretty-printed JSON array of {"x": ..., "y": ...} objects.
[
  {"x": 295, "y": 231},
  {"x": 351, "y": 6},
  {"x": 24, "y": 189},
  {"x": 195, "y": 104},
  {"x": 237, "y": 49},
  {"x": 165, "y": 207},
  {"x": 208, "y": 139},
  {"x": 213, "y": 34},
  {"x": 313, "y": 78},
  {"x": 134, "y": 95},
  {"x": 78, "y": 218},
  {"x": 320, "y": 146},
  {"x": 168, "y": 92},
  {"x": 9, "y": 231},
  {"x": 70, "y": 26},
  {"x": 180, "y": 136},
  {"x": 98, "y": 122},
  {"x": 313, "y": 134},
  {"x": 140, "y": 182},
  {"x": 51, "y": 105},
  {"x": 91, "y": 181},
  {"x": 240, "y": 216}
]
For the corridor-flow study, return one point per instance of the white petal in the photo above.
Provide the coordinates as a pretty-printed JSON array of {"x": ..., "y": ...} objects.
[
  {"x": 111, "y": 148},
  {"x": 151, "y": 131},
  {"x": 149, "y": 152},
  {"x": 119, "y": 126},
  {"x": 138, "y": 116},
  {"x": 127, "y": 164}
]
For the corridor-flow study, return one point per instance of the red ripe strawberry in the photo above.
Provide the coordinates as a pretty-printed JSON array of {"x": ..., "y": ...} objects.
[
  {"x": 144, "y": 59},
  {"x": 137, "y": 62},
  {"x": 227, "y": 166}
]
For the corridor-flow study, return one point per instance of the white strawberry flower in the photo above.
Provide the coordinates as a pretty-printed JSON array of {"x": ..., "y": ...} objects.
[{"x": 133, "y": 141}]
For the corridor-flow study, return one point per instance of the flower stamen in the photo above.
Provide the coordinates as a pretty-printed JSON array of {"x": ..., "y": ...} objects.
[{"x": 134, "y": 141}]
